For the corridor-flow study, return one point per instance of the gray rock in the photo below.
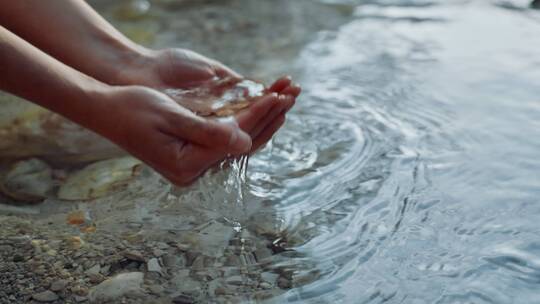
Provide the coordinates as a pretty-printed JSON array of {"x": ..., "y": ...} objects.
[
  {"x": 183, "y": 299},
  {"x": 116, "y": 287},
  {"x": 183, "y": 283},
  {"x": 156, "y": 289},
  {"x": 80, "y": 299},
  {"x": 58, "y": 285},
  {"x": 262, "y": 253},
  {"x": 234, "y": 280},
  {"x": 269, "y": 277},
  {"x": 153, "y": 265},
  {"x": 46, "y": 296},
  {"x": 158, "y": 252},
  {"x": 134, "y": 255},
  {"x": 93, "y": 271},
  {"x": 169, "y": 260}
]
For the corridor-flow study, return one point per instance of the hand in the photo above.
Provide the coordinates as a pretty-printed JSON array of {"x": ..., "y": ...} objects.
[
  {"x": 177, "y": 143},
  {"x": 173, "y": 68}
]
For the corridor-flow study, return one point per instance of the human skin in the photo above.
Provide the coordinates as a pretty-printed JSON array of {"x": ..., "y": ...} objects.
[
  {"x": 115, "y": 99},
  {"x": 82, "y": 39},
  {"x": 146, "y": 123}
]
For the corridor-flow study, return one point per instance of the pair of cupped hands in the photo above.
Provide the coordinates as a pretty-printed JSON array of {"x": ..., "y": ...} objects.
[{"x": 173, "y": 140}]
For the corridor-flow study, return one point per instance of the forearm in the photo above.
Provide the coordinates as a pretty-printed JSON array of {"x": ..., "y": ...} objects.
[
  {"x": 72, "y": 32},
  {"x": 29, "y": 73}
]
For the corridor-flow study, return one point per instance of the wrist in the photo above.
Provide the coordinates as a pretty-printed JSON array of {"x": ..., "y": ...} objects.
[{"x": 128, "y": 62}]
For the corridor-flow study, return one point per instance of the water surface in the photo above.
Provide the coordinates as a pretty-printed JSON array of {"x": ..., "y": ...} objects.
[{"x": 408, "y": 171}]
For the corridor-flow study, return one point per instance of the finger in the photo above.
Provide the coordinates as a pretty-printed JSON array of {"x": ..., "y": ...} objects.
[
  {"x": 284, "y": 103},
  {"x": 280, "y": 84},
  {"x": 222, "y": 136},
  {"x": 293, "y": 90},
  {"x": 249, "y": 118},
  {"x": 223, "y": 71},
  {"x": 268, "y": 132}
]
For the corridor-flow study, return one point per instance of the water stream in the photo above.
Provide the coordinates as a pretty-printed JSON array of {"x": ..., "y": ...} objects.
[{"x": 409, "y": 170}]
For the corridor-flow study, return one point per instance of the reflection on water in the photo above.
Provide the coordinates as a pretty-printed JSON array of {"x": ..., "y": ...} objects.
[{"x": 409, "y": 170}]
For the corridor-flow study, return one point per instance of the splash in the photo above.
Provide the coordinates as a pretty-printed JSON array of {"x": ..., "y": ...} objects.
[{"x": 223, "y": 190}]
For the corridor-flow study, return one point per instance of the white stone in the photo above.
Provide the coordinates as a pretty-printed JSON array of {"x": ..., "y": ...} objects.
[
  {"x": 117, "y": 287},
  {"x": 153, "y": 266}
]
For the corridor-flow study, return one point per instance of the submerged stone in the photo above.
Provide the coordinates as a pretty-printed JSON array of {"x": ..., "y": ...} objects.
[
  {"x": 99, "y": 179},
  {"x": 46, "y": 296},
  {"x": 116, "y": 287},
  {"x": 28, "y": 180}
]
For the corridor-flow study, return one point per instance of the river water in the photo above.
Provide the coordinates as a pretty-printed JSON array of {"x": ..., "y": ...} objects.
[
  {"x": 410, "y": 165},
  {"x": 409, "y": 170}
]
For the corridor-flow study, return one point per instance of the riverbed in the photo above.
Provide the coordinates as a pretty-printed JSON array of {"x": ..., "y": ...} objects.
[{"x": 408, "y": 172}]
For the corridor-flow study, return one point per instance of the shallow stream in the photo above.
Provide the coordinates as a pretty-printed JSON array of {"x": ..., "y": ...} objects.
[{"x": 408, "y": 172}]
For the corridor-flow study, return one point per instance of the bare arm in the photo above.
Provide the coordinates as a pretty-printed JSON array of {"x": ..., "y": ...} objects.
[
  {"x": 72, "y": 32},
  {"x": 145, "y": 122},
  {"x": 27, "y": 72}
]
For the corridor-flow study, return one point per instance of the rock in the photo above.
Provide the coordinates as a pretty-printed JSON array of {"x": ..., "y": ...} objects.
[
  {"x": 269, "y": 277},
  {"x": 211, "y": 240},
  {"x": 116, "y": 287},
  {"x": 134, "y": 255},
  {"x": 158, "y": 252},
  {"x": 18, "y": 258},
  {"x": 46, "y": 296},
  {"x": 93, "y": 271},
  {"x": 80, "y": 299},
  {"x": 183, "y": 299},
  {"x": 156, "y": 289},
  {"x": 171, "y": 261},
  {"x": 153, "y": 265},
  {"x": 265, "y": 285},
  {"x": 262, "y": 254},
  {"x": 183, "y": 283},
  {"x": 284, "y": 283},
  {"x": 198, "y": 263},
  {"x": 58, "y": 285},
  {"x": 215, "y": 287},
  {"x": 234, "y": 280}
]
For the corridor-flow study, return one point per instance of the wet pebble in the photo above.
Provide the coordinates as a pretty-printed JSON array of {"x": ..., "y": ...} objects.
[
  {"x": 134, "y": 255},
  {"x": 183, "y": 299},
  {"x": 45, "y": 296},
  {"x": 153, "y": 266},
  {"x": 58, "y": 285},
  {"x": 118, "y": 286}
]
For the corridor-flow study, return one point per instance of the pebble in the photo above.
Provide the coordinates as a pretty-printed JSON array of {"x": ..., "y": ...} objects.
[
  {"x": 158, "y": 252},
  {"x": 269, "y": 277},
  {"x": 46, "y": 296},
  {"x": 156, "y": 289},
  {"x": 118, "y": 286},
  {"x": 183, "y": 299},
  {"x": 93, "y": 271},
  {"x": 283, "y": 283},
  {"x": 134, "y": 255},
  {"x": 153, "y": 265},
  {"x": 58, "y": 285},
  {"x": 234, "y": 280}
]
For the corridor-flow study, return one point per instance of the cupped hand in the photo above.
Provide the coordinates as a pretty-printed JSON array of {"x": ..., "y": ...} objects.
[{"x": 178, "y": 144}]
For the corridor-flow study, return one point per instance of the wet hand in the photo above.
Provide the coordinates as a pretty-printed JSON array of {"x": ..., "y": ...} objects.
[{"x": 177, "y": 143}]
